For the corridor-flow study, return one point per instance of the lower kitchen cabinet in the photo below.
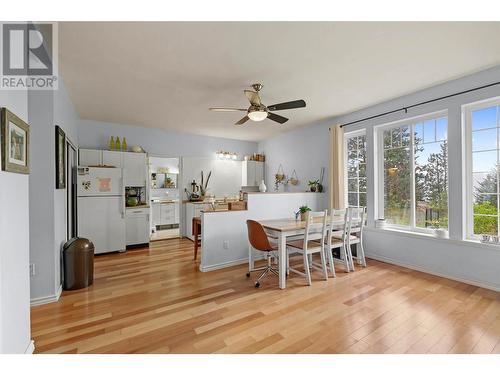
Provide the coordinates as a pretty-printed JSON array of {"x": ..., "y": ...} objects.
[
  {"x": 165, "y": 213},
  {"x": 137, "y": 226}
]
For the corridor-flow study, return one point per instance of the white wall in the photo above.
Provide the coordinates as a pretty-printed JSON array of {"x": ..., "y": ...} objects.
[
  {"x": 230, "y": 226},
  {"x": 157, "y": 142},
  {"x": 15, "y": 335},
  {"x": 433, "y": 258},
  {"x": 48, "y": 204}
]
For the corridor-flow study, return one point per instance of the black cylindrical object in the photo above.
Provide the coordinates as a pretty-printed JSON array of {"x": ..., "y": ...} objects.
[{"x": 78, "y": 259}]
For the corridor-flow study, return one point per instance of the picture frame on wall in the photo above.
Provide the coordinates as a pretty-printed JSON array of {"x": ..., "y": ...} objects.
[
  {"x": 60, "y": 158},
  {"x": 15, "y": 141}
]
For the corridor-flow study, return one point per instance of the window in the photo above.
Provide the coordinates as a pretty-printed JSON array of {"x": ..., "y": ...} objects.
[
  {"x": 482, "y": 143},
  {"x": 413, "y": 173},
  {"x": 355, "y": 146}
]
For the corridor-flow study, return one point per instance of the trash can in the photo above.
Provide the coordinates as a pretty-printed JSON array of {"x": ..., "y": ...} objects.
[{"x": 78, "y": 261}]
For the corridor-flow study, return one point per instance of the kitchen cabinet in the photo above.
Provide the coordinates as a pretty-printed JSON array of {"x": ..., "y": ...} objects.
[
  {"x": 112, "y": 158},
  {"x": 137, "y": 226},
  {"x": 134, "y": 169},
  {"x": 88, "y": 158},
  {"x": 252, "y": 173},
  {"x": 134, "y": 164},
  {"x": 155, "y": 208},
  {"x": 165, "y": 213},
  {"x": 193, "y": 210}
]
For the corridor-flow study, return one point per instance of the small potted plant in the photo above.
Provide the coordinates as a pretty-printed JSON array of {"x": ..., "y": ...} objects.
[
  {"x": 313, "y": 185},
  {"x": 303, "y": 212},
  {"x": 439, "y": 232}
]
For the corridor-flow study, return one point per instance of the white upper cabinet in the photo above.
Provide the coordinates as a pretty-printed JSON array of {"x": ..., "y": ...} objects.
[
  {"x": 89, "y": 158},
  {"x": 252, "y": 173},
  {"x": 134, "y": 169},
  {"x": 112, "y": 158}
]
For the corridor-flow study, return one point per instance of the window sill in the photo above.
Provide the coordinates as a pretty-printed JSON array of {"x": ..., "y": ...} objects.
[{"x": 407, "y": 233}]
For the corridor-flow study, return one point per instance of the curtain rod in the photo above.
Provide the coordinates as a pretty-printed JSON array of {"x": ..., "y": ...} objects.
[{"x": 419, "y": 104}]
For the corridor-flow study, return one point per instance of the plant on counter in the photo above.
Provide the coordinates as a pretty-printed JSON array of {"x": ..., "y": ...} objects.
[
  {"x": 303, "y": 210},
  {"x": 313, "y": 185},
  {"x": 204, "y": 186}
]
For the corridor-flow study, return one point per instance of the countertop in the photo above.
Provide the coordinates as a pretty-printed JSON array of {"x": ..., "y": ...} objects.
[{"x": 138, "y": 206}]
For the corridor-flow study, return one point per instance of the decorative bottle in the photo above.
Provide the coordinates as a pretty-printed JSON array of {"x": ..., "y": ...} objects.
[
  {"x": 124, "y": 144},
  {"x": 112, "y": 143},
  {"x": 262, "y": 187},
  {"x": 118, "y": 144}
]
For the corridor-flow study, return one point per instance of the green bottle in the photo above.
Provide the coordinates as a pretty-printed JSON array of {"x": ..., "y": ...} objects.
[
  {"x": 118, "y": 145},
  {"x": 124, "y": 144},
  {"x": 112, "y": 144}
]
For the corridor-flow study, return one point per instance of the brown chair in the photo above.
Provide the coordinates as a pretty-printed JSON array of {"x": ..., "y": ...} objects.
[{"x": 258, "y": 240}]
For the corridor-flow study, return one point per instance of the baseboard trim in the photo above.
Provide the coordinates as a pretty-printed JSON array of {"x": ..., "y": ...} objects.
[
  {"x": 218, "y": 266},
  {"x": 47, "y": 299},
  {"x": 396, "y": 262},
  {"x": 31, "y": 348}
]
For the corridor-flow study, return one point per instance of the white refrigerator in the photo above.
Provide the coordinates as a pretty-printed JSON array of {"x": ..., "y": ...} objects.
[{"x": 101, "y": 208}]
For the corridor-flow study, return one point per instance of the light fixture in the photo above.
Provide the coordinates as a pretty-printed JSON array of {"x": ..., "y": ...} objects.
[
  {"x": 257, "y": 115},
  {"x": 234, "y": 156}
]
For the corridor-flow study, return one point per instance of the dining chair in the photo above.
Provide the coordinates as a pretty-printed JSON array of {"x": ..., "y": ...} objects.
[
  {"x": 338, "y": 239},
  {"x": 312, "y": 243},
  {"x": 357, "y": 219},
  {"x": 258, "y": 240}
]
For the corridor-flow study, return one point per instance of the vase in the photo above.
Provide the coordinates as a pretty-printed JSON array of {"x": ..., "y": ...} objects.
[
  {"x": 124, "y": 144},
  {"x": 303, "y": 216},
  {"x": 111, "y": 143},
  {"x": 118, "y": 144},
  {"x": 262, "y": 187}
]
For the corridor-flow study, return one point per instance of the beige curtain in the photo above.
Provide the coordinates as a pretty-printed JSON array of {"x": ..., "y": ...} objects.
[{"x": 337, "y": 188}]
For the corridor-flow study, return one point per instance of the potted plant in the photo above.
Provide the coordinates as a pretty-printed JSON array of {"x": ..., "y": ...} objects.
[
  {"x": 313, "y": 185},
  {"x": 303, "y": 211},
  {"x": 439, "y": 232}
]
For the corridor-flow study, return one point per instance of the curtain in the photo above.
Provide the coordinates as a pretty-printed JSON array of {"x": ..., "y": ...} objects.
[{"x": 337, "y": 182}]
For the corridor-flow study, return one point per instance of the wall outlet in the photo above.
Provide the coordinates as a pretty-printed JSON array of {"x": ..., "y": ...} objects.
[
  {"x": 32, "y": 269},
  {"x": 225, "y": 245}
]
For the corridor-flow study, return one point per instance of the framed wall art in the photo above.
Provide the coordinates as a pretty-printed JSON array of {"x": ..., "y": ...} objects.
[
  {"x": 15, "y": 143},
  {"x": 60, "y": 158}
]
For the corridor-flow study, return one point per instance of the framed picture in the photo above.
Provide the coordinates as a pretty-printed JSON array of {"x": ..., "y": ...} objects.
[
  {"x": 60, "y": 158},
  {"x": 15, "y": 143}
]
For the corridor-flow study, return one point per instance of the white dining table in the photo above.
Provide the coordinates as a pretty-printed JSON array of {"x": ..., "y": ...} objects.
[{"x": 282, "y": 229}]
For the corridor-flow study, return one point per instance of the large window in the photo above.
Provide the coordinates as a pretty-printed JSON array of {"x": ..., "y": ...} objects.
[
  {"x": 413, "y": 173},
  {"x": 356, "y": 169},
  {"x": 483, "y": 139}
]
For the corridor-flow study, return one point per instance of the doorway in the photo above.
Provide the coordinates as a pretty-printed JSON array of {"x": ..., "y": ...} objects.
[
  {"x": 165, "y": 197},
  {"x": 71, "y": 157}
]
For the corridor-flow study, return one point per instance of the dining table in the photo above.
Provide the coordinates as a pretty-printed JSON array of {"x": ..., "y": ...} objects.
[{"x": 283, "y": 229}]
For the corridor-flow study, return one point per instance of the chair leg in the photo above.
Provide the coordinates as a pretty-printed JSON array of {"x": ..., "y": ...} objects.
[
  {"x": 323, "y": 263},
  {"x": 330, "y": 260},
  {"x": 361, "y": 254},
  {"x": 349, "y": 255},
  {"x": 287, "y": 263},
  {"x": 307, "y": 271},
  {"x": 343, "y": 254}
]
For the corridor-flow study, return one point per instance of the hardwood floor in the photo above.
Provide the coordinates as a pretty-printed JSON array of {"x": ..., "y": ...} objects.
[{"x": 156, "y": 301}]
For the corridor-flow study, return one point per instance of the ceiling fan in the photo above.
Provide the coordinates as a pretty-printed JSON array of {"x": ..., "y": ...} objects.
[{"x": 258, "y": 111}]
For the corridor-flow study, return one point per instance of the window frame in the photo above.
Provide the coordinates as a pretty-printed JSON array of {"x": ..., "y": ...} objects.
[
  {"x": 380, "y": 194},
  {"x": 347, "y": 136},
  {"x": 467, "y": 110}
]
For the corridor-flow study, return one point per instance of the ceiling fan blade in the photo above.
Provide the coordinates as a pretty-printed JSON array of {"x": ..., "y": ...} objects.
[
  {"x": 219, "y": 109},
  {"x": 277, "y": 118},
  {"x": 253, "y": 97},
  {"x": 287, "y": 105},
  {"x": 243, "y": 120}
]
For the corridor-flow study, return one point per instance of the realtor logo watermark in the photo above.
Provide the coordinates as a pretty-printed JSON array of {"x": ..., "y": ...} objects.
[{"x": 28, "y": 56}]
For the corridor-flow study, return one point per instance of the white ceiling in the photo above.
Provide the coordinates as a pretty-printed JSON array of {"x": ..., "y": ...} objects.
[{"x": 167, "y": 74}]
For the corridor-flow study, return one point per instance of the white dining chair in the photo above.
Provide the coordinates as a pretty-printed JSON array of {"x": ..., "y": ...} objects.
[
  {"x": 337, "y": 238},
  {"x": 357, "y": 219},
  {"x": 312, "y": 243}
]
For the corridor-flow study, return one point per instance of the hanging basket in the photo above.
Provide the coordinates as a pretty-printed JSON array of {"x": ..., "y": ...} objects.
[
  {"x": 280, "y": 174},
  {"x": 294, "y": 180}
]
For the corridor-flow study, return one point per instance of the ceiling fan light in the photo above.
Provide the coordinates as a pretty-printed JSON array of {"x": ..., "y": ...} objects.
[{"x": 257, "y": 115}]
